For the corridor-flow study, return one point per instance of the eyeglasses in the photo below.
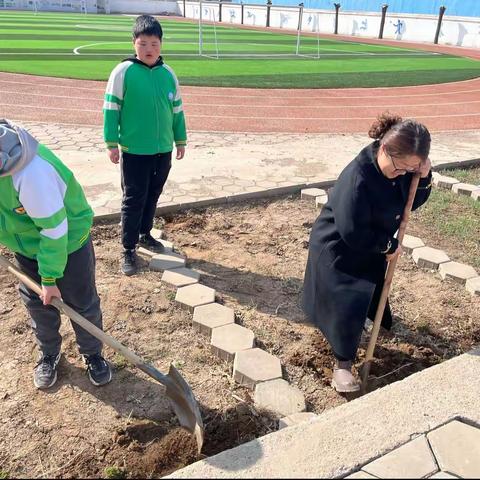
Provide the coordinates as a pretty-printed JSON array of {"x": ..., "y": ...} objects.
[{"x": 408, "y": 169}]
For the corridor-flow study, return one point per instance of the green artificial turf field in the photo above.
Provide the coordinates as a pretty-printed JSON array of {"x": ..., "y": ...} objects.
[{"x": 89, "y": 46}]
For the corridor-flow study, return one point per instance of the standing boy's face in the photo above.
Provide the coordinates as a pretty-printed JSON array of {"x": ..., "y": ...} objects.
[{"x": 147, "y": 48}]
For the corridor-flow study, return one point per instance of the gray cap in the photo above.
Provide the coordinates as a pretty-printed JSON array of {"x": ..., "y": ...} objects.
[{"x": 10, "y": 146}]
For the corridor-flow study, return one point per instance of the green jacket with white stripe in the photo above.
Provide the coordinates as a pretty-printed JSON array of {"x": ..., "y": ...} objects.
[
  {"x": 143, "y": 111},
  {"x": 44, "y": 214}
]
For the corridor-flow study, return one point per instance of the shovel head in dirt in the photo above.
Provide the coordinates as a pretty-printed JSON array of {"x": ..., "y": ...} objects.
[{"x": 177, "y": 389}]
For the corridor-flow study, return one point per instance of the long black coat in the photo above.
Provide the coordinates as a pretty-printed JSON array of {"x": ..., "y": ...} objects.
[{"x": 346, "y": 260}]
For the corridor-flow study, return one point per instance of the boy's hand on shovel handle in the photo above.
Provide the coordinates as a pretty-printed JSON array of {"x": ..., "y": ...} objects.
[{"x": 48, "y": 292}]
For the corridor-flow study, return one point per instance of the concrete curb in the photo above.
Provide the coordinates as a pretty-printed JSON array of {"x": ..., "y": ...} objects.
[
  {"x": 231, "y": 199},
  {"x": 342, "y": 440}
]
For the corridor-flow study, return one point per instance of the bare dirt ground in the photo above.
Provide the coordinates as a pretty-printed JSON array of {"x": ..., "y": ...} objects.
[{"x": 254, "y": 256}]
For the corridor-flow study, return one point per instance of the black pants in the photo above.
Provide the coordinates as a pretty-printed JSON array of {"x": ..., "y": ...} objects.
[
  {"x": 78, "y": 290},
  {"x": 143, "y": 178}
]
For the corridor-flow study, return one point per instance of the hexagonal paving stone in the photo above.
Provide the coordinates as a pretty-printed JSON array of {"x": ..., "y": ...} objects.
[
  {"x": 195, "y": 295},
  {"x": 254, "y": 366},
  {"x": 213, "y": 315},
  {"x": 265, "y": 184},
  {"x": 428, "y": 257},
  {"x": 456, "y": 446},
  {"x": 180, "y": 277},
  {"x": 412, "y": 460},
  {"x": 150, "y": 253},
  {"x": 361, "y": 475},
  {"x": 445, "y": 182},
  {"x": 442, "y": 475},
  {"x": 280, "y": 397},
  {"x": 166, "y": 261},
  {"x": 458, "y": 272},
  {"x": 465, "y": 188},
  {"x": 410, "y": 243},
  {"x": 311, "y": 193},
  {"x": 228, "y": 340},
  {"x": 295, "y": 419},
  {"x": 321, "y": 201},
  {"x": 473, "y": 285},
  {"x": 157, "y": 233}
]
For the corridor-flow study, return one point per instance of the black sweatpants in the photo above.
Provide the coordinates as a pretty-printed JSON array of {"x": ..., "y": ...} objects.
[
  {"x": 143, "y": 178},
  {"x": 78, "y": 290}
]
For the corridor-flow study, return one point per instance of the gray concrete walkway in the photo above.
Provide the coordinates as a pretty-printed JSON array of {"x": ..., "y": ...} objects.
[{"x": 218, "y": 166}]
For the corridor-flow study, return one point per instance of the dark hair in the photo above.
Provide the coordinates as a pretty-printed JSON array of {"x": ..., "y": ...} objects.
[
  {"x": 147, "y": 25},
  {"x": 401, "y": 137}
]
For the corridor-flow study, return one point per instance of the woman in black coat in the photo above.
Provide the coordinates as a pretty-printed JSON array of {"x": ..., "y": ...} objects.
[{"x": 354, "y": 237}]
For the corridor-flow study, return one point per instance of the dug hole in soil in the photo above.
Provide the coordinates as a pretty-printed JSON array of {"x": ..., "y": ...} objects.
[{"x": 254, "y": 256}]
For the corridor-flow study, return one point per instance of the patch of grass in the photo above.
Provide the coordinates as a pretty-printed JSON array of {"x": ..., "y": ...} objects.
[
  {"x": 178, "y": 364},
  {"x": 3, "y": 474},
  {"x": 171, "y": 296},
  {"x": 466, "y": 175},
  {"x": 115, "y": 472},
  {"x": 455, "y": 219},
  {"x": 424, "y": 328},
  {"x": 119, "y": 362}
]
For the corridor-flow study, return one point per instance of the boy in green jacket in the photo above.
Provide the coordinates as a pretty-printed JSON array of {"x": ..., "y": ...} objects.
[
  {"x": 143, "y": 117},
  {"x": 45, "y": 220}
]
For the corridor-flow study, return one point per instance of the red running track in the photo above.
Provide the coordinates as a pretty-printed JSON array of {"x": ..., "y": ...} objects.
[{"x": 448, "y": 106}]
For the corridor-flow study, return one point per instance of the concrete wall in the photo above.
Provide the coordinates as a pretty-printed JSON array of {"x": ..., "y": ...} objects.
[
  {"x": 96, "y": 6},
  {"x": 459, "y": 31},
  {"x": 154, "y": 7}
]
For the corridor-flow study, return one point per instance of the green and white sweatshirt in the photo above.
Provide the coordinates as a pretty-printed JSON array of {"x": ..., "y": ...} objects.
[
  {"x": 44, "y": 214},
  {"x": 143, "y": 112}
]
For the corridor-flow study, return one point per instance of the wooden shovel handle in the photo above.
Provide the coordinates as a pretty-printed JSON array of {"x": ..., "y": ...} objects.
[
  {"x": 84, "y": 323},
  {"x": 388, "y": 282}
]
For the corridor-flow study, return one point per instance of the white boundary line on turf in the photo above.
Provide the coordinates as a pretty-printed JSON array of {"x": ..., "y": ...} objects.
[{"x": 327, "y": 53}]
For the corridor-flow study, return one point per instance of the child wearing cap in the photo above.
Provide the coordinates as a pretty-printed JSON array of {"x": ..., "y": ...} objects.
[{"x": 45, "y": 221}]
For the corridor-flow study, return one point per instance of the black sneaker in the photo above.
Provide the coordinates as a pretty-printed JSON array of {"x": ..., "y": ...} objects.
[
  {"x": 98, "y": 369},
  {"x": 45, "y": 374},
  {"x": 129, "y": 265},
  {"x": 148, "y": 242}
]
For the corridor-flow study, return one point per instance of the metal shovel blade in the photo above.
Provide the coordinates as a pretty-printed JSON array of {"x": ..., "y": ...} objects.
[
  {"x": 185, "y": 406},
  {"x": 181, "y": 397}
]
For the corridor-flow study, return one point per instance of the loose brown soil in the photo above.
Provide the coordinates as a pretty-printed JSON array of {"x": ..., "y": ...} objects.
[{"x": 254, "y": 256}]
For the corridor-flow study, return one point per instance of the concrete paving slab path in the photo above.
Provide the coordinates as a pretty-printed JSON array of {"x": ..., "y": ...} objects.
[
  {"x": 412, "y": 460},
  {"x": 456, "y": 446},
  {"x": 218, "y": 166}
]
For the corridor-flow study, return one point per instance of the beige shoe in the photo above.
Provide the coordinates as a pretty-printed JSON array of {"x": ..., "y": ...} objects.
[{"x": 343, "y": 380}]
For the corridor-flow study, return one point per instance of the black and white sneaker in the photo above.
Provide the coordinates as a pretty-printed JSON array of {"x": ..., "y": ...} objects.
[
  {"x": 98, "y": 369},
  {"x": 129, "y": 265},
  {"x": 45, "y": 374},
  {"x": 148, "y": 242}
]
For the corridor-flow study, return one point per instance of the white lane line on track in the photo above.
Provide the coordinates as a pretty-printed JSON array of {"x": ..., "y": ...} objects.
[
  {"x": 247, "y": 117},
  {"x": 234, "y": 105},
  {"x": 264, "y": 96}
]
